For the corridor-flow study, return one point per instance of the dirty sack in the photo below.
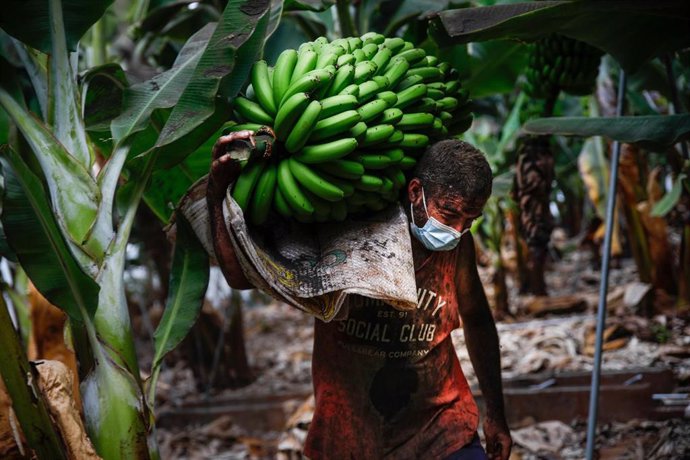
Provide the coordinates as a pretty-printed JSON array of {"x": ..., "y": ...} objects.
[{"x": 320, "y": 267}]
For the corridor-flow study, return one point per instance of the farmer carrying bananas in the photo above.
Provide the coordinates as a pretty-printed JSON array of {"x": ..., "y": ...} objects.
[{"x": 388, "y": 383}]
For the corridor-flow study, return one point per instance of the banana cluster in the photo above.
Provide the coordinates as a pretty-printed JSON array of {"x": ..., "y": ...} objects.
[
  {"x": 350, "y": 117},
  {"x": 562, "y": 63}
]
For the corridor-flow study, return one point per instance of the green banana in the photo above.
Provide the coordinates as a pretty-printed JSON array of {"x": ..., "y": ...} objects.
[
  {"x": 262, "y": 87},
  {"x": 359, "y": 56},
  {"x": 428, "y": 74},
  {"x": 394, "y": 44},
  {"x": 313, "y": 182},
  {"x": 410, "y": 95},
  {"x": 352, "y": 89},
  {"x": 407, "y": 163},
  {"x": 394, "y": 139},
  {"x": 288, "y": 114},
  {"x": 334, "y": 125},
  {"x": 337, "y": 104},
  {"x": 251, "y": 111},
  {"x": 367, "y": 90},
  {"x": 345, "y": 59},
  {"x": 282, "y": 74},
  {"x": 326, "y": 59},
  {"x": 309, "y": 83},
  {"x": 373, "y": 161},
  {"x": 345, "y": 169},
  {"x": 414, "y": 121},
  {"x": 413, "y": 55},
  {"x": 344, "y": 77},
  {"x": 245, "y": 183},
  {"x": 322, "y": 208},
  {"x": 434, "y": 93},
  {"x": 345, "y": 185},
  {"x": 306, "y": 62},
  {"x": 291, "y": 190},
  {"x": 262, "y": 197},
  {"x": 372, "y": 109},
  {"x": 397, "y": 176},
  {"x": 396, "y": 70},
  {"x": 394, "y": 155},
  {"x": 447, "y": 103},
  {"x": 359, "y": 130},
  {"x": 280, "y": 205},
  {"x": 425, "y": 104},
  {"x": 370, "y": 50},
  {"x": 320, "y": 153},
  {"x": 369, "y": 183},
  {"x": 373, "y": 37},
  {"x": 354, "y": 42},
  {"x": 381, "y": 59},
  {"x": 376, "y": 135},
  {"x": 412, "y": 141},
  {"x": 389, "y": 96},
  {"x": 383, "y": 82},
  {"x": 391, "y": 116},
  {"x": 409, "y": 81},
  {"x": 303, "y": 128},
  {"x": 364, "y": 71},
  {"x": 387, "y": 186}
]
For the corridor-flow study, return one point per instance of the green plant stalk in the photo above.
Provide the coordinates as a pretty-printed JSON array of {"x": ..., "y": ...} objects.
[
  {"x": 115, "y": 408},
  {"x": 99, "y": 50},
  {"x": 64, "y": 114},
  {"x": 347, "y": 24},
  {"x": 27, "y": 401}
]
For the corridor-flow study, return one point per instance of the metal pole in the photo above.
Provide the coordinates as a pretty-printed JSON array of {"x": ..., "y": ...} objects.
[{"x": 601, "y": 312}]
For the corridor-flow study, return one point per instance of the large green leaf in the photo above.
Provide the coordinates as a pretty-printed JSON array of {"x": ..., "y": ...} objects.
[
  {"x": 73, "y": 191},
  {"x": 188, "y": 283},
  {"x": 654, "y": 132},
  {"x": 29, "y": 20},
  {"x": 670, "y": 200},
  {"x": 494, "y": 67},
  {"x": 632, "y": 31},
  {"x": 64, "y": 114},
  {"x": 223, "y": 68},
  {"x": 308, "y": 5},
  {"x": 35, "y": 237},
  {"x": 20, "y": 379},
  {"x": 160, "y": 92},
  {"x": 102, "y": 90}
]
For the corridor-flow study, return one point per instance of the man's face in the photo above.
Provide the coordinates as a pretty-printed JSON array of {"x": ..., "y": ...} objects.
[{"x": 449, "y": 209}]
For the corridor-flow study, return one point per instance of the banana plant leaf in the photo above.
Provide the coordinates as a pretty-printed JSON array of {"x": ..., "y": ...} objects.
[
  {"x": 33, "y": 234},
  {"x": 494, "y": 66},
  {"x": 30, "y": 22},
  {"x": 73, "y": 191},
  {"x": 670, "y": 200},
  {"x": 102, "y": 90},
  {"x": 654, "y": 132},
  {"x": 308, "y": 5},
  {"x": 632, "y": 31},
  {"x": 221, "y": 71},
  {"x": 160, "y": 92},
  {"x": 188, "y": 283}
]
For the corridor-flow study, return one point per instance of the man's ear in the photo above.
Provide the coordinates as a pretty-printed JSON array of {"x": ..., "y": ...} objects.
[{"x": 414, "y": 191}]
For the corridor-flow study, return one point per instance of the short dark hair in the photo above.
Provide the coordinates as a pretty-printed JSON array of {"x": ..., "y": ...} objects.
[{"x": 455, "y": 166}]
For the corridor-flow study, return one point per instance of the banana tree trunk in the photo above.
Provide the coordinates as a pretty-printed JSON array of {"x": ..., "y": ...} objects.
[{"x": 535, "y": 174}]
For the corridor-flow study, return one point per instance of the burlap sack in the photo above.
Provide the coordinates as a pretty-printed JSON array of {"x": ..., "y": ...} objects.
[{"x": 318, "y": 268}]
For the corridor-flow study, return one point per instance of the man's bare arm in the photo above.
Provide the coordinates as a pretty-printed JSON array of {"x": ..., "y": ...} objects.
[
  {"x": 481, "y": 339},
  {"x": 224, "y": 171}
]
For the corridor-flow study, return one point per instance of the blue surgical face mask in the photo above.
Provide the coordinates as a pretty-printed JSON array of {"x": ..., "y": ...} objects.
[{"x": 435, "y": 236}]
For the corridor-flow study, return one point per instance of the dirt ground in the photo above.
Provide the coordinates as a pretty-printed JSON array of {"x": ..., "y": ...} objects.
[{"x": 269, "y": 417}]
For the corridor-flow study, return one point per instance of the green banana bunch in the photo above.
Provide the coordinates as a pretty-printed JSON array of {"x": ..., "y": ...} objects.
[
  {"x": 561, "y": 63},
  {"x": 350, "y": 117}
]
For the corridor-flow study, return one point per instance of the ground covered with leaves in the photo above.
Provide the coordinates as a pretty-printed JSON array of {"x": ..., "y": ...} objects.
[{"x": 269, "y": 418}]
